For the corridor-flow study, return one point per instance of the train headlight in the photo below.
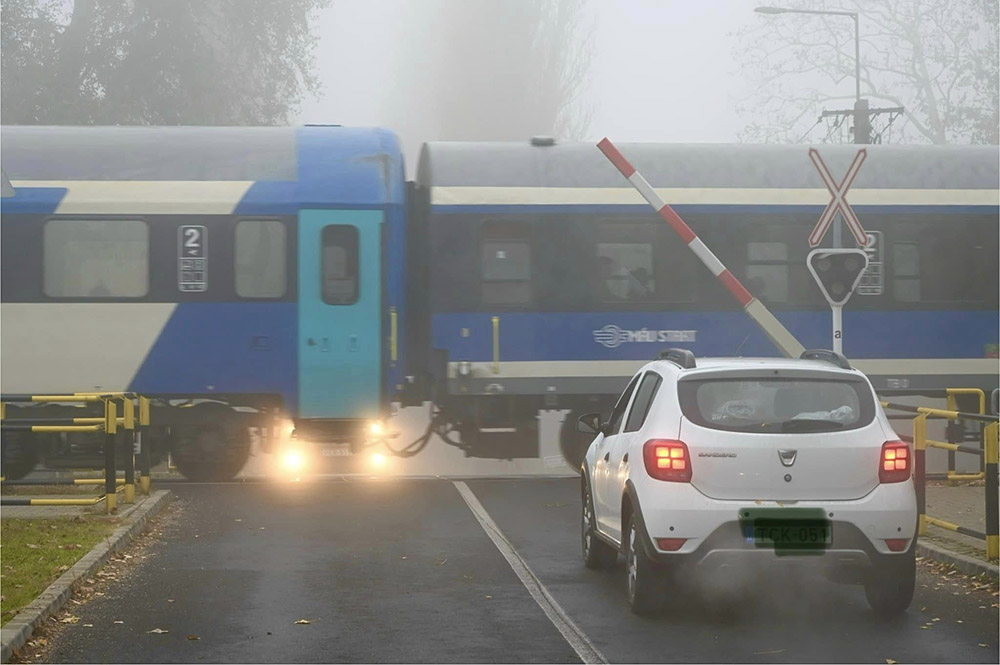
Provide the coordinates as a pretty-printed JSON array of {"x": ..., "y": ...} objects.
[
  {"x": 293, "y": 460},
  {"x": 376, "y": 429},
  {"x": 378, "y": 461}
]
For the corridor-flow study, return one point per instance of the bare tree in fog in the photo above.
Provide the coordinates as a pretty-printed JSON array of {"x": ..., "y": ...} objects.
[
  {"x": 937, "y": 58},
  {"x": 499, "y": 69},
  {"x": 224, "y": 62}
]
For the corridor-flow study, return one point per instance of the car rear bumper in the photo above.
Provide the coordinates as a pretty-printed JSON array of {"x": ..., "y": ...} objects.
[{"x": 715, "y": 536}]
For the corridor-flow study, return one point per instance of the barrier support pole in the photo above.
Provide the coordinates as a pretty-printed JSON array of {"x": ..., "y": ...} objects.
[
  {"x": 130, "y": 468},
  {"x": 110, "y": 429},
  {"x": 144, "y": 461},
  {"x": 992, "y": 512},
  {"x": 919, "y": 470}
]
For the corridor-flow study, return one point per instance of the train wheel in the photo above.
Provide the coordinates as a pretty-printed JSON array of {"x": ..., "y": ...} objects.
[
  {"x": 20, "y": 455},
  {"x": 210, "y": 452}
]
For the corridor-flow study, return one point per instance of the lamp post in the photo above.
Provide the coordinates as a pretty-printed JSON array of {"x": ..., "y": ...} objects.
[{"x": 862, "y": 130}]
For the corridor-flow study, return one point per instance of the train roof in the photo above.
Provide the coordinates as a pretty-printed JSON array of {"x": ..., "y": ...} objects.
[
  {"x": 582, "y": 165},
  {"x": 321, "y": 165}
]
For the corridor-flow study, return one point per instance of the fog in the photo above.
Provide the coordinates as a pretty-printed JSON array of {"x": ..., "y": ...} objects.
[{"x": 661, "y": 70}]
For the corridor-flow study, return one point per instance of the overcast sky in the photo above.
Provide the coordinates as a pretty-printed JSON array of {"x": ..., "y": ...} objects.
[{"x": 662, "y": 69}]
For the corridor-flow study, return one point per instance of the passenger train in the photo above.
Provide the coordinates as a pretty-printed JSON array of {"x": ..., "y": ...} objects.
[{"x": 242, "y": 276}]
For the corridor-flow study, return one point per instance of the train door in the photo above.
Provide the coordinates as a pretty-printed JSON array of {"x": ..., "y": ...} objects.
[{"x": 340, "y": 294}]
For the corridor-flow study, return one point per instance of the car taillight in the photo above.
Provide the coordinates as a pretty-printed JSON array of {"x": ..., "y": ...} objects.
[
  {"x": 666, "y": 459},
  {"x": 670, "y": 544},
  {"x": 895, "y": 463}
]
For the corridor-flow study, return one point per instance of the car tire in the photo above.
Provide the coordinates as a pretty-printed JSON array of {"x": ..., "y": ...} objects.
[
  {"x": 889, "y": 587},
  {"x": 642, "y": 576},
  {"x": 597, "y": 554}
]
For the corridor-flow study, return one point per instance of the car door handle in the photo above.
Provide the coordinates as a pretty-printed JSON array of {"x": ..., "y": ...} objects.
[
  {"x": 625, "y": 459},
  {"x": 607, "y": 456}
]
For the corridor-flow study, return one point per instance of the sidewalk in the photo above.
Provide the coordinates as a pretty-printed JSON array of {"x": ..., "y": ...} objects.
[
  {"x": 132, "y": 519},
  {"x": 964, "y": 505}
]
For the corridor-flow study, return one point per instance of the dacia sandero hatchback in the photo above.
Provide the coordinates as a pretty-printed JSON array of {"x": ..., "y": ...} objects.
[{"x": 728, "y": 462}]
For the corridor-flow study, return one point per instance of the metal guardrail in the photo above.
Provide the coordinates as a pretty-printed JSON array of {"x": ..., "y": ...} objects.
[
  {"x": 990, "y": 452},
  {"x": 108, "y": 423}
]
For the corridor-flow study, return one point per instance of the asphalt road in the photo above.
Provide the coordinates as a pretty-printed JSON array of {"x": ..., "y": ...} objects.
[{"x": 401, "y": 571}]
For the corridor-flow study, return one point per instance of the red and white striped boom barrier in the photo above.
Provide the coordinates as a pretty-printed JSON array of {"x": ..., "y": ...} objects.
[{"x": 776, "y": 332}]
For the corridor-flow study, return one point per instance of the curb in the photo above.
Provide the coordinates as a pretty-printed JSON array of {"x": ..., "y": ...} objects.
[
  {"x": 16, "y": 633},
  {"x": 964, "y": 564}
]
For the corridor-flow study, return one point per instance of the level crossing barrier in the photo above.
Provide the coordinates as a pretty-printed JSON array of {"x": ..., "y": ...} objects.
[
  {"x": 989, "y": 451},
  {"x": 109, "y": 423}
]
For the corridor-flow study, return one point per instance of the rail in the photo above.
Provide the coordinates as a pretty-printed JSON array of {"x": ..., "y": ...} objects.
[
  {"x": 989, "y": 451},
  {"x": 109, "y": 423}
]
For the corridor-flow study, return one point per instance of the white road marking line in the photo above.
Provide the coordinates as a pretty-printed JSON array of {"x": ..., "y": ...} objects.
[{"x": 587, "y": 652}]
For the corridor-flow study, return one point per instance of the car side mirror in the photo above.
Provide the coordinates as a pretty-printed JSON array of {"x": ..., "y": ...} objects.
[{"x": 589, "y": 423}]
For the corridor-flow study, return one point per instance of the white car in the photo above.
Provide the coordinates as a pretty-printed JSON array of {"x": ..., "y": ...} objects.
[{"x": 730, "y": 462}]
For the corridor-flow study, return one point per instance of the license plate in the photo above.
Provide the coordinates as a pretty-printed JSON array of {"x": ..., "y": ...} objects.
[
  {"x": 787, "y": 529},
  {"x": 791, "y": 534},
  {"x": 337, "y": 451}
]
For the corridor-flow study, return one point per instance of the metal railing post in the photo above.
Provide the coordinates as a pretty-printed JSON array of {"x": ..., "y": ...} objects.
[
  {"x": 992, "y": 511},
  {"x": 129, "y": 437},
  {"x": 144, "y": 457},
  {"x": 919, "y": 470},
  {"x": 110, "y": 429}
]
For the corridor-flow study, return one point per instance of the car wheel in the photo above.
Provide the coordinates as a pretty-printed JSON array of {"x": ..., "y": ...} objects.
[
  {"x": 596, "y": 553},
  {"x": 641, "y": 574},
  {"x": 889, "y": 587}
]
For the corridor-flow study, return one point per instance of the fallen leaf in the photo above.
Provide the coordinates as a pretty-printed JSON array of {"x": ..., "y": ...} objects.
[
  {"x": 404, "y": 557},
  {"x": 489, "y": 597},
  {"x": 70, "y": 546},
  {"x": 958, "y": 621},
  {"x": 303, "y": 621},
  {"x": 925, "y": 628},
  {"x": 936, "y": 619},
  {"x": 119, "y": 622},
  {"x": 890, "y": 661},
  {"x": 983, "y": 645},
  {"x": 31, "y": 546},
  {"x": 88, "y": 625},
  {"x": 70, "y": 620},
  {"x": 193, "y": 637},
  {"x": 171, "y": 600},
  {"x": 443, "y": 561},
  {"x": 238, "y": 519},
  {"x": 158, "y": 631}
]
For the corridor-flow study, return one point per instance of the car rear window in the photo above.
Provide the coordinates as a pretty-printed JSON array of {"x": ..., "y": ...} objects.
[{"x": 777, "y": 405}]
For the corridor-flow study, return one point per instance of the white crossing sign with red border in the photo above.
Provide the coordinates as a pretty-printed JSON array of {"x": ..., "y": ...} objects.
[{"x": 838, "y": 200}]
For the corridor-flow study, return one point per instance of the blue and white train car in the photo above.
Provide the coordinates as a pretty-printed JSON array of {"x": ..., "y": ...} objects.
[
  {"x": 243, "y": 270},
  {"x": 560, "y": 281}
]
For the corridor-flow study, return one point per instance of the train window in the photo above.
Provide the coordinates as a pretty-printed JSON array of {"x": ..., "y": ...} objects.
[
  {"x": 626, "y": 269},
  {"x": 767, "y": 271},
  {"x": 340, "y": 265},
  {"x": 96, "y": 258},
  {"x": 260, "y": 258},
  {"x": 506, "y": 264},
  {"x": 906, "y": 271}
]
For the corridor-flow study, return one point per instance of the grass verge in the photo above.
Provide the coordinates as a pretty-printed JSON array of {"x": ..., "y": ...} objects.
[{"x": 36, "y": 552}]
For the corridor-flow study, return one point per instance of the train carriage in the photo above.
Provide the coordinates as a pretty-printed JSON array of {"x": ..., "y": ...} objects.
[
  {"x": 550, "y": 280},
  {"x": 246, "y": 271}
]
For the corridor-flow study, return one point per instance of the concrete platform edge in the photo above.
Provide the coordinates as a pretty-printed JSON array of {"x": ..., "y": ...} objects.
[
  {"x": 963, "y": 563},
  {"x": 17, "y": 632}
]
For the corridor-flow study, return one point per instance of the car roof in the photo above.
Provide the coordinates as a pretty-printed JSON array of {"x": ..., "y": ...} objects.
[{"x": 718, "y": 365}]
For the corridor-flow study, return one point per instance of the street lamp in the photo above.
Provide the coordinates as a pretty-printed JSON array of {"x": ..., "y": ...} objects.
[{"x": 861, "y": 131}]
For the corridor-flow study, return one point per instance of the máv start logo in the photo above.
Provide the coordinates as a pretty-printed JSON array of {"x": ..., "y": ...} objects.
[{"x": 611, "y": 336}]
